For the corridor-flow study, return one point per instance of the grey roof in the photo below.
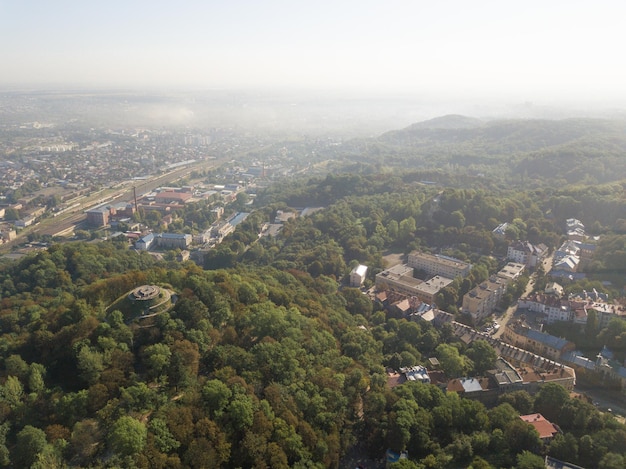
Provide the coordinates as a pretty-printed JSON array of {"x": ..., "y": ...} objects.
[
  {"x": 147, "y": 238},
  {"x": 546, "y": 339},
  {"x": 174, "y": 235},
  {"x": 471, "y": 385}
]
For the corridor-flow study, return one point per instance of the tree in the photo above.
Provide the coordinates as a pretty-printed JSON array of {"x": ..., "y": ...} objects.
[
  {"x": 35, "y": 379},
  {"x": 163, "y": 438},
  {"x": 157, "y": 359},
  {"x": 216, "y": 395},
  {"x": 30, "y": 442},
  {"x": 357, "y": 302},
  {"x": 241, "y": 412},
  {"x": 528, "y": 460},
  {"x": 564, "y": 447},
  {"x": 483, "y": 355},
  {"x": 522, "y": 436},
  {"x": 591, "y": 327},
  {"x": 520, "y": 400},
  {"x": 127, "y": 436},
  {"x": 451, "y": 361},
  {"x": 612, "y": 461},
  {"x": 502, "y": 415},
  {"x": 479, "y": 463},
  {"x": 90, "y": 363},
  {"x": 4, "y": 451},
  {"x": 457, "y": 219},
  {"x": 11, "y": 214},
  {"x": 12, "y": 392},
  {"x": 550, "y": 400},
  {"x": 404, "y": 464}
]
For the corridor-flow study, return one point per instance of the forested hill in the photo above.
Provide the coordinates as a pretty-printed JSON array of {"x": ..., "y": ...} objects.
[{"x": 566, "y": 151}]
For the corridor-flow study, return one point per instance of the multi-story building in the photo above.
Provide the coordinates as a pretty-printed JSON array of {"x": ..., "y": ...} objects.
[
  {"x": 426, "y": 291},
  {"x": 8, "y": 235},
  {"x": 171, "y": 197},
  {"x": 398, "y": 278},
  {"x": 537, "y": 342},
  {"x": 575, "y": 230},
  {"x": 500, "y": 230},
  {"x": 357, "y": 275},
  {"x": 526, "y": 253},
  {"x": 145, "y": 243},
  {"x": 512, "y": 271},
  {"x": 554, "y": 307},
  {"x": 102, "y": 215},
  {"x": 174, "y": 240},
  {"x": 483, "y": 299},
  {"x": 436, "y": 264},
  {"x": 98, "y": 216},
  {"x": 164, "y": 240}
]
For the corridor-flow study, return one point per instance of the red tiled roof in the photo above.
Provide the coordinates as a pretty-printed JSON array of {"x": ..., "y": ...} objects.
[{"x": 543, "y": 426}]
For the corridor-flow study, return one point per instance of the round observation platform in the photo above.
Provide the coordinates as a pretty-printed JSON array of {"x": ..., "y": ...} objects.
[{"x": 145, "y": 293}]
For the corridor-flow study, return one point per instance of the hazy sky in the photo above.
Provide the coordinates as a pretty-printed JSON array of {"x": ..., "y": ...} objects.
[{"x": 527, "y": 49}]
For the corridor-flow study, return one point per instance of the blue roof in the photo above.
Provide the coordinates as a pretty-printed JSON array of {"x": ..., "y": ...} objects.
[
  {"x": 546, "y": 339},
  {"x": 147, "y": 238},
  {"x": 241, "y": 216},
  {"x": 100, "y": 209},
  {"x": 174, "y": 235}
]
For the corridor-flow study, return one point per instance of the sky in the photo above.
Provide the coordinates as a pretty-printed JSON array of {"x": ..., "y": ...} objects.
[{"x": 527, "y": 50}]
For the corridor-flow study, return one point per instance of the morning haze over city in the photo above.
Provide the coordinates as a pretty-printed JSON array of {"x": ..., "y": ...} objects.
[{"x": 347, "y": 234}]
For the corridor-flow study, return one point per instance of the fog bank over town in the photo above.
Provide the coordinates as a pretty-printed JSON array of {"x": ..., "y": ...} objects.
[
  {"x": 275, "y": 111},
  {"x": 364, "y": 66}
]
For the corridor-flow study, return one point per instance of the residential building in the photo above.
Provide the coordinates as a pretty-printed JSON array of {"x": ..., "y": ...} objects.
[
  {"x": 537, "y": 342},
  {"x": 24, "y": 222},
  {"x": 436, "y": 264},
  {"x": 102, "y": 215},
  {"x": 357, "y": 275},
  {"x": 574, "y": 224},
  {"x": 567, "y": 264},
  {"x": 172, "y": 197},
  {"x": 173, "y": 240},
  {"x": 145, "y": 243},
  {"x": 554, "y": 307},
  {"x": 283, "y": 216},
  {"x": 544, "y": 427},
  {"x": 8, "y": 235},
  {"x": 605, "y": 312},
  {"x": 500, "y": 230},
  {"x": 416, "y": 373},
  {"x": 512, "y": 271},
  {"x": 525, "y": 253},
  {"x": 553, "y": 288},
  {"x": 164, "y": 240},
  {"x": 553, "y": 463},
  {"x": 568, "y": 248},
  {"x": 575, "y": 230},
  {"x": 483, "y": 299},
  {"x": 427, "y": 290},
  {"x": 98, "y": 216},
  {"x": 398, "y": 278}
]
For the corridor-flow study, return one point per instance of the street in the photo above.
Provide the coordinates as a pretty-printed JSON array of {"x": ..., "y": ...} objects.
[{"x": 508, "y": 314}]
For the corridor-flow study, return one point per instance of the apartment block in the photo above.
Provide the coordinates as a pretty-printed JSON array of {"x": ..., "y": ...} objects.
[{"x": 436, "y": 264}]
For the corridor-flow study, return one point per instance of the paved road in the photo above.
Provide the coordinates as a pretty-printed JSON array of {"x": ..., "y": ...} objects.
[
  {"x": 508, "y": 314},
  {"x": 510, "y": 311}
]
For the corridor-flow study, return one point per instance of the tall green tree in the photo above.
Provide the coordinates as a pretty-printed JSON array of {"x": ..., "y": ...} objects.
[{"x": 127, "y": 436}]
